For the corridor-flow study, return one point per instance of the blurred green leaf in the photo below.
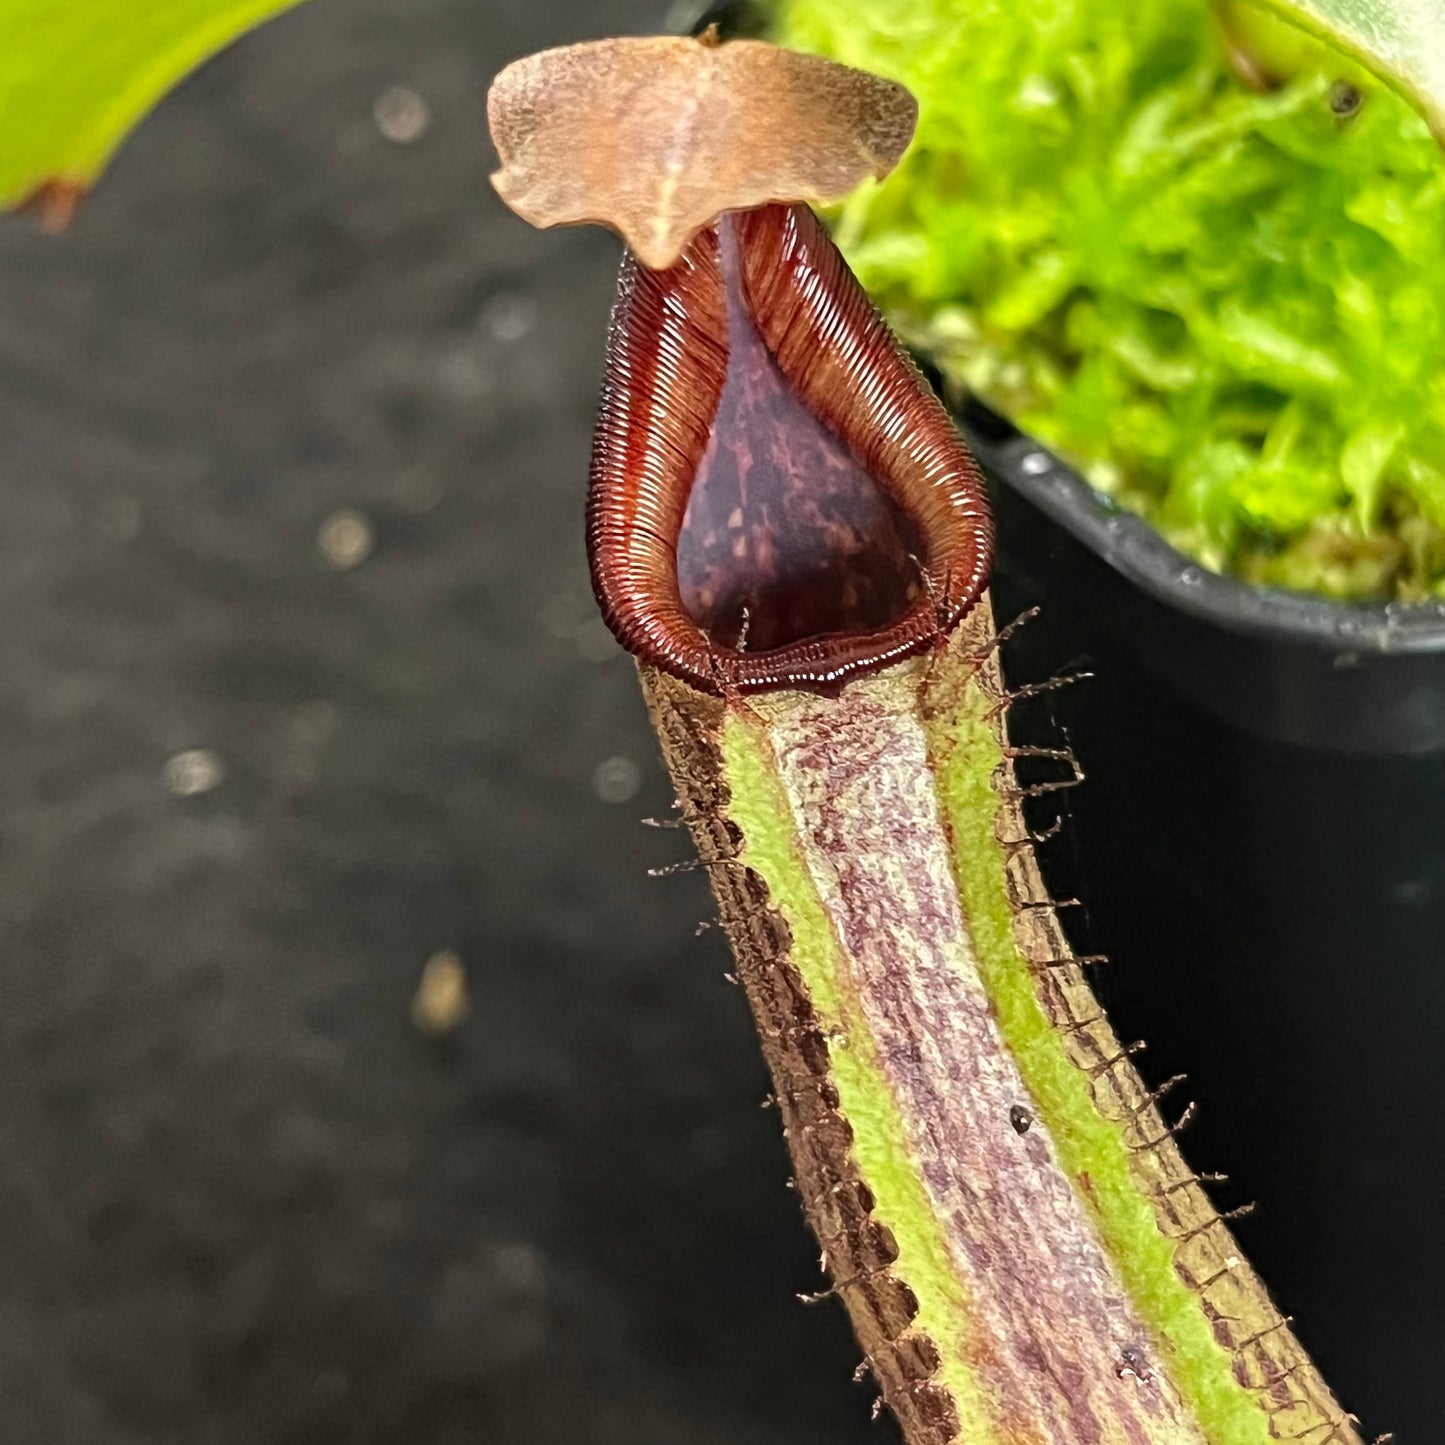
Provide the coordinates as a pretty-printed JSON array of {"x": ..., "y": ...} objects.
[
  {"x": 1401, "y": 41},
  {"x": 77, "y": 75}
]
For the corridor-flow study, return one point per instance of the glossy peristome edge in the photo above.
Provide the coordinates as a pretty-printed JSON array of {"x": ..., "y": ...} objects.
[
  {"x": 1262, "y": 1360},
  {"x": 666, "y": 365}
]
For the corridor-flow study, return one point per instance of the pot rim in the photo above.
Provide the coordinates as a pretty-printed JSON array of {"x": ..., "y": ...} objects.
[{"x": 1132, "y": 547}]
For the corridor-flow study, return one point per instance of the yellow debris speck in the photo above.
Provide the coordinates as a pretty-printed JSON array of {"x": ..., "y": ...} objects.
[
  {"x": 401, "y": 115},
  {"x": 197, "y": 770},
  {"x": 441, "y": 1002},
  {"x": 345, "y": 538}
]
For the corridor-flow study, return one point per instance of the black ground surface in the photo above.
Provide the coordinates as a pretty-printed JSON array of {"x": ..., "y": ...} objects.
[{"x": 243, "y": 1197}]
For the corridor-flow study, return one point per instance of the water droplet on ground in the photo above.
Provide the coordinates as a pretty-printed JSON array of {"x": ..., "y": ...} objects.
[
  {"x": 345, "y": 538},
  {"x": 509, "y": 317},
  {"x": 401, "y": 115},
  {"x": 616, "y": 779},
  {"x": 440, "y": 1002},
  {"x": 194, "y": 771}
]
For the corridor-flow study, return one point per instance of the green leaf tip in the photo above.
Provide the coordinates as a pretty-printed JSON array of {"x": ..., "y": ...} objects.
[{"x": 78, "y": 75}]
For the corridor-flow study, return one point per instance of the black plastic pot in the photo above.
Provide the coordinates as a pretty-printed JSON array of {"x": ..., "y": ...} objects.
[{"x": 1260, "y": 845}]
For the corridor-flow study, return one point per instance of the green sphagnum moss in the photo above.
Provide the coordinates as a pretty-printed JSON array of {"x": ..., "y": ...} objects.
[{"x": 1227, "y": 306}]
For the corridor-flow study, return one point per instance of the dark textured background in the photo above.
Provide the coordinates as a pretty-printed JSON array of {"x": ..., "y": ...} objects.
[{"x": 242, "y": 1197}]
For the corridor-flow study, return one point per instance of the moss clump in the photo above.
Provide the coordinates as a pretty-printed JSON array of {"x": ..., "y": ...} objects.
[{"x": 1226, "y": 306}]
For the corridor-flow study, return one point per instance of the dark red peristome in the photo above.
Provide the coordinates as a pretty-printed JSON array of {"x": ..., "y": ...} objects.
[{"x": 777, "y": 498}]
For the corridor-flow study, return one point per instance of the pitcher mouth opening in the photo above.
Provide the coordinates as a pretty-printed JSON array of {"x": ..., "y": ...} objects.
[
  {"x": 786, "y": 538},
  {"x": 777, "y": 498}
]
